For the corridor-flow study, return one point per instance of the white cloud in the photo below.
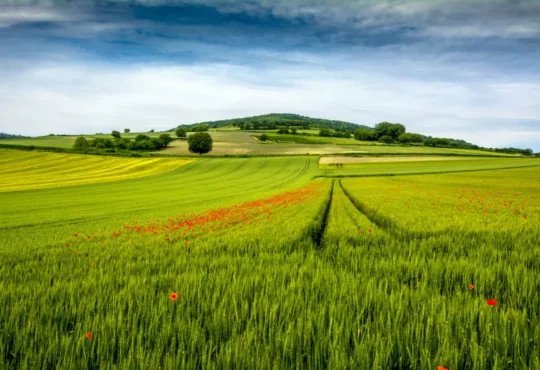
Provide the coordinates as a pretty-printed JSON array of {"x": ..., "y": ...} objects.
[{"x": 88, "y": 98}]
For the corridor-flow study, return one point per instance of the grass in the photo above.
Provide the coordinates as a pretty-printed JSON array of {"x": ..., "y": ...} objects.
[
  {"x": 275, "y": 268},
  {"x": 34, "y": 170},
  {"x": 424, "y": 167}
]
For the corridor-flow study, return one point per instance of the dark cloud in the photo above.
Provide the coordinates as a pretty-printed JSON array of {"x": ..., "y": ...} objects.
[{"x": 446, "y": 59}]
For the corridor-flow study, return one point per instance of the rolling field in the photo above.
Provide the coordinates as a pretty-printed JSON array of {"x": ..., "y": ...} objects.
[
  {"x": 271, "y": 263},
  {"x": 34, "y": 170}
]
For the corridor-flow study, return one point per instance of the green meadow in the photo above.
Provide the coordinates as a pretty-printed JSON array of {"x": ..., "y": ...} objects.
[{"x": 275, "y": 262}]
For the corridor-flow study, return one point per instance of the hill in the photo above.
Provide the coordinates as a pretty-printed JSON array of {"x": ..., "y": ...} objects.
[{"x": 277, "y": 120}]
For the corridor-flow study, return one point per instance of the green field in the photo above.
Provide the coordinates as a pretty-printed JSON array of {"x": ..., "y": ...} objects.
[{"x": 278, "y": 263}]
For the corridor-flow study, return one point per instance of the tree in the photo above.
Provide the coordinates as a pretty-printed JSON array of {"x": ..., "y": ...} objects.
[
  {"x": 263, "y": 137},
  {"x": 166, "y": 139},
  {"x": 405, "y": 139},
  {"x": 181, "y": 133},
  {"x": 81, "y": 142},
  {"x": 141, "y": 137},
  {"x": 116, "y": 134},
  {"x": 386, "y": 139},
  {"x": 294, "y": 130},
  {"x": 435, "y": 141},
  {"x": 365, "y": 135},
  {"x": 325, "y": 132},
  {"x": 200, "y": 143},
  {"x": 389, "y": 129},
  {"x": 127, "y": 131},
  {"x": 200, "y": 128},
  {"x": 416, "y": 138}
]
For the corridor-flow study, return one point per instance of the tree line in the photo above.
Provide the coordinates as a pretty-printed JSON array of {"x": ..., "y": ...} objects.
[{"x": 141, "y": 142}]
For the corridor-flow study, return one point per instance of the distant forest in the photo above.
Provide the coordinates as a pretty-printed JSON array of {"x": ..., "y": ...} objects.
[{"x": 3, "y": 135}]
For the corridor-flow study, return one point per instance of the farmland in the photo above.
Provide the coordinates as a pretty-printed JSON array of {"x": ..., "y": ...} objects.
[
  {"x": 268, "y": 263},
  {"x": 236, "y": 142}
]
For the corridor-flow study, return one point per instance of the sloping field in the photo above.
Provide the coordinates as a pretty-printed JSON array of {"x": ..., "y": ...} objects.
[
  {"x": 251, "y": 263},
  {"x": 35, "y": 170}
]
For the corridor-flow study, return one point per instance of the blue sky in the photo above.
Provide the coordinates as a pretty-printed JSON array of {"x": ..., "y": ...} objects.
[{"x": 462, "y": 69}]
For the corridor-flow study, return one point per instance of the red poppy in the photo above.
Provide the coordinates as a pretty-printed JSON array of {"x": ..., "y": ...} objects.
[
  {"x": 67, "y": 244},
  {"x": 76, "y": 235},
  {"x": 369, "y": 230},
  {"x": 491, "y": 302},
  {"x": 187, "y": 243},
  {"x": 471, "y": 287},
  {"x": 441, "y": 368},
  {"x": 88, "y": 335},
  {"x": 174, "y": 296}
]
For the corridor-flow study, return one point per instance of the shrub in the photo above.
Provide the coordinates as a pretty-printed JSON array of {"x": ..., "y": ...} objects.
[
  {"x": 81, "y": 142},
  {"x": 181, "y": 133},
  {"x": 386, "y": 139}
]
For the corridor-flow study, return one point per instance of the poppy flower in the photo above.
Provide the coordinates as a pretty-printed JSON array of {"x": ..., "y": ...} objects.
[
  {"x": 67, "y": 244},
  {"x": 369, "y": 230},
  {"x": 441, "y": 368},
  {"x": 471, "y": 287},
  {"x": 491, "y": 302},
  {"x": 76, "y": 235},
  {"x": 88, "y": 336},
  {"x": 173, "y": 296}
]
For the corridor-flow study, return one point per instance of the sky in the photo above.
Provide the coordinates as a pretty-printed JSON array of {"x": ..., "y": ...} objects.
[{"x": 452, "y": 68}]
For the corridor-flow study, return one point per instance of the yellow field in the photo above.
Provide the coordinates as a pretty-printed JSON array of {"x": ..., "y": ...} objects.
[{"x": 35, "y": 170}]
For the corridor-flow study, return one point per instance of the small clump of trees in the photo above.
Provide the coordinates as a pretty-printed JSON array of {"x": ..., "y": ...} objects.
[
  {"x": 339, "y": 132},
  {"x": 140, "y": 143}
]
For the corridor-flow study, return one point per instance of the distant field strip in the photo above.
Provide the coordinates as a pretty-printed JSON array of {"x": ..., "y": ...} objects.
[
  {"x": 354, "y": 160},
  {"x": 425, "y": 167},
  {"x": 34, "y": 170}
]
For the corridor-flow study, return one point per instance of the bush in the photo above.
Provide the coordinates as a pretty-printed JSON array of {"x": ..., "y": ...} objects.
[
  {"x": 263, "y": 137},
  {"x": 386, "y": 139},
  {"x": 116, "y": 134},
  {"x": 365, "y": 135},
  {"x": 142, "y": 137},
  {"x": 166, "y": 139},
  {"x": 181, "y": 133},
  {"x": 81, "y": 142},
  {"x": 200, "y": 143},
  {"x": 325, "y": 132}
]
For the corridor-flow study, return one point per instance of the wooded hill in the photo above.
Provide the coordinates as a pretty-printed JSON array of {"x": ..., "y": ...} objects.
[{"x": 279, "y": 120}]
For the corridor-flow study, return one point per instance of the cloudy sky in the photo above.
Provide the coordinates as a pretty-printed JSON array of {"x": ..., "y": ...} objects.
[{"x": 450, "y": 68}]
